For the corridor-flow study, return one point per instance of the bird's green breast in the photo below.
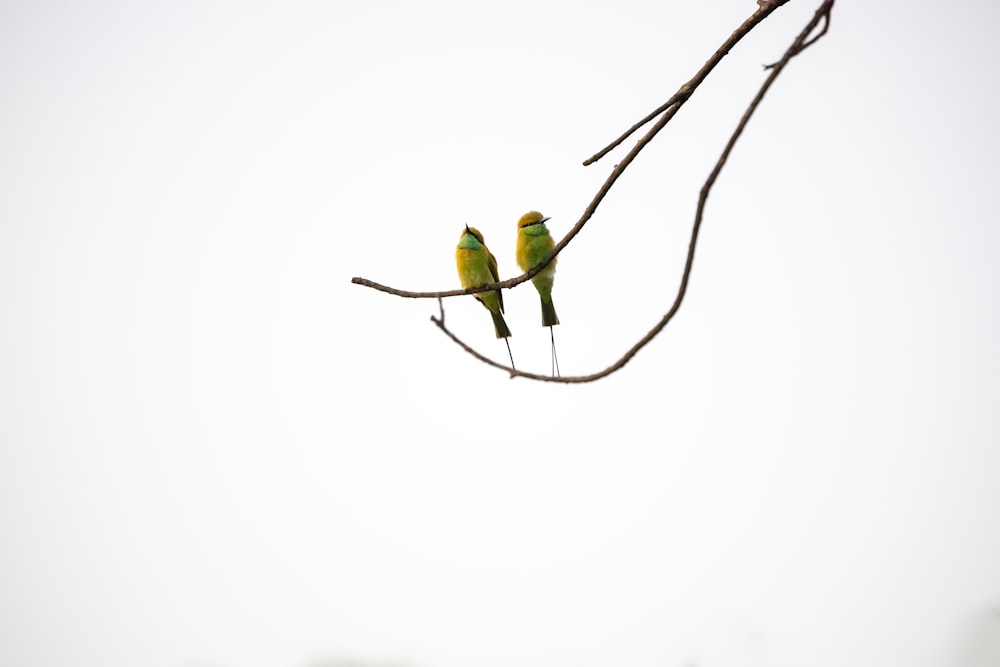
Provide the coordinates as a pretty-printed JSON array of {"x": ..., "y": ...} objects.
[
  {"x": 533, "y": 244},
  {"x": 473, "y": 267}
]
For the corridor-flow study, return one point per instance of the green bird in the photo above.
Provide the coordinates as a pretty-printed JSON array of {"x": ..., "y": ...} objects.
[
  {"x": 534, "y": 242},
  {"x": 476, "y": 267}
]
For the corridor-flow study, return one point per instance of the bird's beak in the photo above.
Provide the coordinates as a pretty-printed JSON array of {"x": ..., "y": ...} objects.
[
  {"x": 544, "y": 220},
  {"x": 467, "y": 230}
]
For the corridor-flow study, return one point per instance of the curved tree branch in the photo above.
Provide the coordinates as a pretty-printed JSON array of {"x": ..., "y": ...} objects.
[{"x": 668, "y": 109}]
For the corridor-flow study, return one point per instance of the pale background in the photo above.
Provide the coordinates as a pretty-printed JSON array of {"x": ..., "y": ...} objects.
[{"x": 217, "y": 452}]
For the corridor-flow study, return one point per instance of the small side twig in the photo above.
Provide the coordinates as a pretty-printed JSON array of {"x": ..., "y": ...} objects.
[{"x": 824, "y": 12}]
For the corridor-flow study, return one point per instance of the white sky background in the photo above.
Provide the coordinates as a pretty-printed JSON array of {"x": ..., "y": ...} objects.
[{"x": 217, "y": 452}]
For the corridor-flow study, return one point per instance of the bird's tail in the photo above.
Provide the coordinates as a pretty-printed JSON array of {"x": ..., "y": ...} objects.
[
  {"x": 500, "y": 325},
  {"x": 549, "y": 317}
]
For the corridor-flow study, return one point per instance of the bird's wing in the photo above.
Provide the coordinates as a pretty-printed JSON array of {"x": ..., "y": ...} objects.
[{"x": 492, "y": 262}]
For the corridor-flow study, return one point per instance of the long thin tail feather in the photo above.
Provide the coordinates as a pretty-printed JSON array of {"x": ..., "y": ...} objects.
[{"x": 555, "y": 358}]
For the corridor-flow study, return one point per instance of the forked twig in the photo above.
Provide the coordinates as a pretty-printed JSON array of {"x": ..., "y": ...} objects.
[{"x": 677, "y": 100}]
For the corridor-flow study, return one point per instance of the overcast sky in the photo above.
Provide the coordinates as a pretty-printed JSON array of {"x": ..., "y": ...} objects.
[{"x": 215, "y": 451}]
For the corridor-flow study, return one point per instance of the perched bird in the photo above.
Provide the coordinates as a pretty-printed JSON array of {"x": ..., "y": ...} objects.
[
  {"x": 476, "y": 267},
  {"x": 533, "y": 243}
]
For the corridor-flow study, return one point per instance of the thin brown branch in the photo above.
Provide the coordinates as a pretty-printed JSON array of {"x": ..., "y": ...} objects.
[
  {"x": 681, "y": 96},
  {"x": 796, "y": 47},
  {"x": 486, "y": 360},
  {"x": 505, "y": 284},
  {"x": 824, "y": 13}
]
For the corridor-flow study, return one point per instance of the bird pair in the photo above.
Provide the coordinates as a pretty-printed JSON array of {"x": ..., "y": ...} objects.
[{"x": 477, "y": 266}]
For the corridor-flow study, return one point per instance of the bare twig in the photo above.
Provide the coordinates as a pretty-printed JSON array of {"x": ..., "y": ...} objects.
[
  {"x": 824, "y": 13},
  {"x": 439, "y": 321},
  {"x": 505, "y": 284},
  {"x": 826, "y": 26},
  {"x": 763, "y": 11}
]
